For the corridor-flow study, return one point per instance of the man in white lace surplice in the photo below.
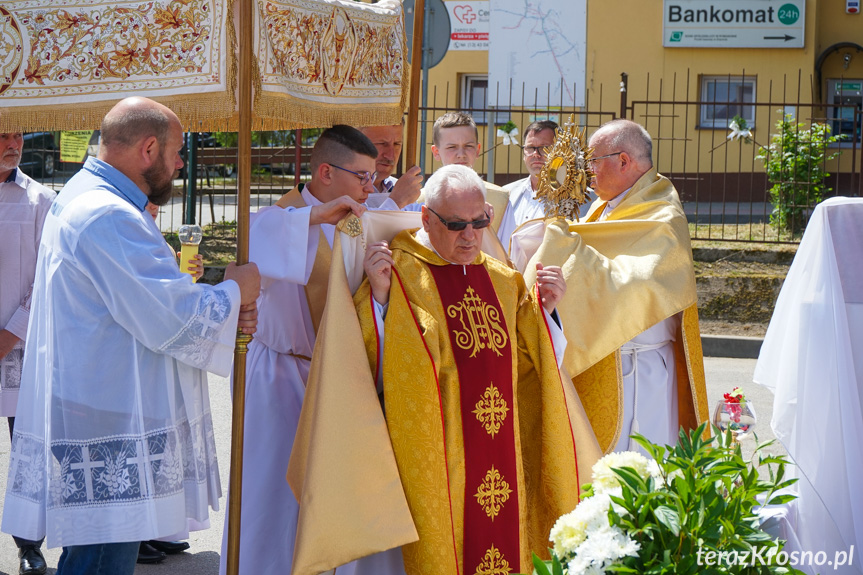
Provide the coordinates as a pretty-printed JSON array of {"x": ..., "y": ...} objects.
[
  {"x": 285, "y": 243},
  {"x": 113, "y": 442},
  {"x": 24, "y": 204}
]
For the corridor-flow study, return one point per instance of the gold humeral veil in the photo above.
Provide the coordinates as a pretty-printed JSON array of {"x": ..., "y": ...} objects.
[
  {"x": 368, "y": 482},
  {"x": 624, "y": 275}
]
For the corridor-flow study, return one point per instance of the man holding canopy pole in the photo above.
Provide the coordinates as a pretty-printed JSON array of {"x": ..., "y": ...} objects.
[{"x": 114, "y": 441}]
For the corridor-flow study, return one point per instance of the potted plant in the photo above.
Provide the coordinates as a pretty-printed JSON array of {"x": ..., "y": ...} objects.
[{"x": 690, "y": 509}]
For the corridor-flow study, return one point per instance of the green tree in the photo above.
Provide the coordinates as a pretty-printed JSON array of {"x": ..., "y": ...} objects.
[{"x": 796, "y": 162}]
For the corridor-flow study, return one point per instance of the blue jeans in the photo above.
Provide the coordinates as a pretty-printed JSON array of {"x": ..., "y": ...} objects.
[{"x": 102, "y": 559}]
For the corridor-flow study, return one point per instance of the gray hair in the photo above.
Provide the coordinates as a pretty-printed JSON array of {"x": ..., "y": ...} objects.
[
  {"x": 454, "y": 178},
  {"x": 630, "y": 137}
]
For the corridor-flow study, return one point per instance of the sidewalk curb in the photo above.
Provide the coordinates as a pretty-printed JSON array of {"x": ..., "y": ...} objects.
[{"x": 740, "y": 347}]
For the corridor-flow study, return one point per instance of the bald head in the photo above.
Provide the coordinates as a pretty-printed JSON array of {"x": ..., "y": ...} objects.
[
  {"x": 629, "y": 137},
  {"x": 135, "y": 119},
  {"x": 622, "y": 153},
  {"x": 142, "y": 139}
]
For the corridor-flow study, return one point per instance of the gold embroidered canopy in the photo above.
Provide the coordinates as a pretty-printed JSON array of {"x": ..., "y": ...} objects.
[{"x": 64, "y": 63}]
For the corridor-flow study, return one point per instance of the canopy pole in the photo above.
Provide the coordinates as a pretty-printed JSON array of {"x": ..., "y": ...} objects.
[
  {"x": 244, "y": 175},
  {"x": 416, "y": 73}
]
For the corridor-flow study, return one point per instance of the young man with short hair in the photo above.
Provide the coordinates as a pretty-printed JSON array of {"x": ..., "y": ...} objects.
[{"x": 456, "y": 141}]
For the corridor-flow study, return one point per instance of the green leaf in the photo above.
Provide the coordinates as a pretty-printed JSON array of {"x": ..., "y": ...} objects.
[
  {"x": 780, "y": 499},
  {"x": 541, "y": 567},
  {"x": 556, "y": 565},
  {"x": 668, "y": 517}
]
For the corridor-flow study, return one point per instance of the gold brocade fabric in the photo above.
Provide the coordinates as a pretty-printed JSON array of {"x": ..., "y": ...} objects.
[
  {"x": 424, "y": 418},
  {"x": 498, "y": 198},
  {"x": 342, "y": 468},
  {"x": 624, "y": 275},
  {"x": 65, "y": 63}
]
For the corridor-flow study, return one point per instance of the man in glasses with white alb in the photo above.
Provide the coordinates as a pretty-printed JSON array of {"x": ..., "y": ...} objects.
[{"x": 523, "y": 205}]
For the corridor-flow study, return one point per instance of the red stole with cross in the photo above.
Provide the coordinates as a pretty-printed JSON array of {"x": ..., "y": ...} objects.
[{"x": 483, "y": 358}]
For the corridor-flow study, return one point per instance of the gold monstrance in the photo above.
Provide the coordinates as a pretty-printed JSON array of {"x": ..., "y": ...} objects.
[{"x": 564, "y": 178}]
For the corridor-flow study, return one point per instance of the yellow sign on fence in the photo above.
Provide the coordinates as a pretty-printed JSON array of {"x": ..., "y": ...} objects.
[{"x": 73, "y": 145}]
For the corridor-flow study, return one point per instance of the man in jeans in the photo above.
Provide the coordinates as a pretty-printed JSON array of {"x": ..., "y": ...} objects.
[{"x": 113, "y": 443}]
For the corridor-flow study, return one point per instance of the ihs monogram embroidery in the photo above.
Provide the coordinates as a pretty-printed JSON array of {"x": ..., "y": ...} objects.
[{"x": 481, "y": 323}]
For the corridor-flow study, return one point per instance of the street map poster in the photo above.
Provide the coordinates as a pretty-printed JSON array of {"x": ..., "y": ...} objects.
[
  {"x": 468, "y": 24},
  {"x": 733, "y": 23},
  {"x": 540, "y": 45}
]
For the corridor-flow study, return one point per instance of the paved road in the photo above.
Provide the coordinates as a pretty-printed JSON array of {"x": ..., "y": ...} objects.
[{"x": 203, "y": 558}]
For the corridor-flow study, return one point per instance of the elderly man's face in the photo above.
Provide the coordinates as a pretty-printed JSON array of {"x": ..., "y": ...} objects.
[
  {"x": 608, "y": 178},
  {"x": 463, "y": 206},
  {"x": 388, "y": 141},
  {"x": 10, "y": 150}
]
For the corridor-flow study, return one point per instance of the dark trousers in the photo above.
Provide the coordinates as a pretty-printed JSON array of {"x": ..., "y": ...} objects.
[{"x": 18, "y": 541}]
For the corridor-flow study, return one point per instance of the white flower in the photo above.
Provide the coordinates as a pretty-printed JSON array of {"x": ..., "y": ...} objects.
[
  {"x": 605, "y": 479},
  {"x": 569, "y": 532},
  {"x": 603, "y": 546}
]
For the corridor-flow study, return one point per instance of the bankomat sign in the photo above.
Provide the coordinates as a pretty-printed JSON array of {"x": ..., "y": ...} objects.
[{"x": 733, "y": 23}]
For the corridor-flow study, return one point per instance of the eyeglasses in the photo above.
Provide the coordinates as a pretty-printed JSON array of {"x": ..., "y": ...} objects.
[
  {"x": 365, "y": 177},
  {"x": 531, "y": 150},
  {"x": 460, "y": 226},
  {"x": 592, "y": 160}
]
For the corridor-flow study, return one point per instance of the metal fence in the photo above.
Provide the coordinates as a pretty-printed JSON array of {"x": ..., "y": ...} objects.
[{"x": 722, "y": 182}]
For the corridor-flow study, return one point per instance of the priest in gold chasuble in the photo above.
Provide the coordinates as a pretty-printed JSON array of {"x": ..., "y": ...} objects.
[
  {"x": 630, "y": 314},
  {"x": 487, "y": 437}
]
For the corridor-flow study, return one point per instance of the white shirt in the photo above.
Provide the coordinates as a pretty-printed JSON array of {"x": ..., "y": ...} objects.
[
  {"x": 521, "y": 207},
  {"x": 114, "y": 438},
  {"x": 24, "y": 204}
]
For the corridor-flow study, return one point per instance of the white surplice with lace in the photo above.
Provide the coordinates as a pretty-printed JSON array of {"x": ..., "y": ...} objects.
[{"x": 113, "y": 439}]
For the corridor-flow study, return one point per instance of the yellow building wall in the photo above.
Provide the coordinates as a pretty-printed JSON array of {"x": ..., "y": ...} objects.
[{"x": 626, "y": 36}]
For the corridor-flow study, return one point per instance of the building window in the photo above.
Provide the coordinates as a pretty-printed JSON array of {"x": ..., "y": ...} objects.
[
  {"x": 724, "y": 97},
  {"x": 474, "y": 98},
  {"x": 846, "y": 99}
]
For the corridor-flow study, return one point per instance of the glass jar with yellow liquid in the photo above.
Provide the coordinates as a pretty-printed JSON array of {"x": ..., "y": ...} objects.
[{"x": 190, "y": 238}]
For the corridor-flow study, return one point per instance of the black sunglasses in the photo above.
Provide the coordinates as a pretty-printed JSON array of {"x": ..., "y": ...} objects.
[{"x": 460, "y": 226}]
